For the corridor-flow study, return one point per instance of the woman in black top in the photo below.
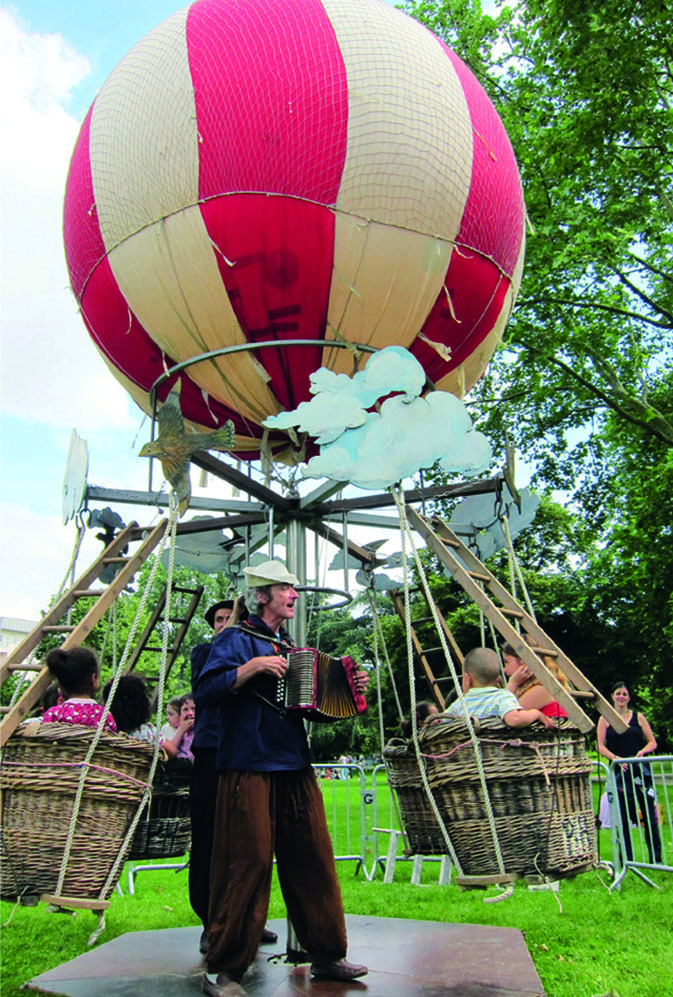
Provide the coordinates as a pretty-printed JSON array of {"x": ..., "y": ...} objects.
[{"x": 634, "y": 781}]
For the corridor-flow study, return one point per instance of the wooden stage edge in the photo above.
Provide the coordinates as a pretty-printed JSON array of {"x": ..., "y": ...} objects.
[{"x": 405, "y": 959}]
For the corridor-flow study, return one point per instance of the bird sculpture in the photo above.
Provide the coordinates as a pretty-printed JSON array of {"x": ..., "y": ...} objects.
[{"x": 175, "y": 446}]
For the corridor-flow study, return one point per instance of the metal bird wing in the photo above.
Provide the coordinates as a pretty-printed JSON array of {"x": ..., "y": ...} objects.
[{"x": 170, "y": 418}]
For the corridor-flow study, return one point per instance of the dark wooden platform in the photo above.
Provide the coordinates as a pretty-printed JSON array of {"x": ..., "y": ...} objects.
[{"x": 405, "y": 959}]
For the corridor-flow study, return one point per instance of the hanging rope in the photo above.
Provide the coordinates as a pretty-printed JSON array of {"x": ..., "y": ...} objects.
[
  {"x": 170, "y": 535},
  {"x": 412, "y": 690},
  {"x": 514, "y": 561},
  {"x": 86, "y": 764},
  {"x": 406, "y": 531},
  {"x": 377, "y": 665},
  {"x": 378, "y": 631},
  {"x": 70, "y": 571}
]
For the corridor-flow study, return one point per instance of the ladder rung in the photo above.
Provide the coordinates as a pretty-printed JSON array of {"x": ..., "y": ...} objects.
[
  {"x": 177, "y": 619},
  {"x": 480, "y": 576},
  {"x": 148, "y": 648},
  {"x": 544, "y": 652},
  {"x": 88, "y": 593},
  {"x": 450, "y": 543},
  {"x": 582, "y": 694},
  {"x": 181, "y": 588},
  {"x": 518, "y": 614},
  {"x": 25, "y": 666},
  {"x": 431, "y": 650},
  {"x": 421, "y": 619},
  {"x": 443, "y": 680},
  {"x": 115, "y": 560},
  {"x": 58, "y": 630}
]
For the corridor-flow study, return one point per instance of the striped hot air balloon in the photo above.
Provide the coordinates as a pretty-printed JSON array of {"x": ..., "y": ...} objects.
[{"x": 265, "y": 170}]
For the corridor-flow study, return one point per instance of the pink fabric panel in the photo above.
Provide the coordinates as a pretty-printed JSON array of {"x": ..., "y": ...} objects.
[
  {"x": 477, "y": 289},
  {"x": 279, "y": 284},
  {"x": 489, "y": 239},
  {"x": 125, "y": 343},
  {"x": 271, "y": 98},
  {"x": 494, "y": 214},
  {"x": 278, "y": 126},
  {"x": 81, "y": 234}
]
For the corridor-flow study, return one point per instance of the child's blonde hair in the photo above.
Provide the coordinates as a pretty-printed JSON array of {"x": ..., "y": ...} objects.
[{"x": 548, "y": 662}]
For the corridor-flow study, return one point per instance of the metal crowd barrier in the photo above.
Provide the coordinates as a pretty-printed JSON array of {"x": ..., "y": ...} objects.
[
  {"x": 363, "y": 822},
  {"x": 640, "y": 798}
]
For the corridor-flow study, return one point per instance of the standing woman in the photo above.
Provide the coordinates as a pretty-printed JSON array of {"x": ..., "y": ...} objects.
[{"x": 634, "y": 782}]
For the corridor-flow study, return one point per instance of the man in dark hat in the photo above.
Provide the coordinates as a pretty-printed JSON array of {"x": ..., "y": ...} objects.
[
  {"x": 268, "y": 800},
  {"x": 203, "y": 789}
]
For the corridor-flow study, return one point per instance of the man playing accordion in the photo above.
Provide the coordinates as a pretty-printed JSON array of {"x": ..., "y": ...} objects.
[{"x": 269, "y": 801}]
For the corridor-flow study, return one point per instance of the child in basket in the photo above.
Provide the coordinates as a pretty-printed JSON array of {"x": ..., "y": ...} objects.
[
  {"x": 77, "y": 672},
  {"x": 483, "y": 696},
  {"x": 131, "y": 708},
  {"x": 172, "y": 718}
]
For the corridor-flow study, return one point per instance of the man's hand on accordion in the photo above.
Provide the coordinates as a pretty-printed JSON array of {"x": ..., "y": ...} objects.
[
  {"x": 361, "y": 680},
  {"x": 266, "y": 664}
]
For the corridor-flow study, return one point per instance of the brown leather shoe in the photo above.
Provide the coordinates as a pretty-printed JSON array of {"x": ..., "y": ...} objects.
[
  {"x": 341, "y": 970},
  {"x": 269, "y": 937}
]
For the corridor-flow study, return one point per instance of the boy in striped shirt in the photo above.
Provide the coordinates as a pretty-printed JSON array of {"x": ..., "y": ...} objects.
[{"x": 484, "y": 697}]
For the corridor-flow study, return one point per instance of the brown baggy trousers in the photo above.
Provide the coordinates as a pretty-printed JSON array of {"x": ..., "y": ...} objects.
[{"x": 259, "y": 813}]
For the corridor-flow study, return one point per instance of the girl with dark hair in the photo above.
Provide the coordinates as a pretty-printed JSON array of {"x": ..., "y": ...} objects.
[
  {"x": 77, "y": 672},
  {"x": 131, "y": 709},
  {"x": 424, "y": 709},
  {"x": 634, "y": 781}
]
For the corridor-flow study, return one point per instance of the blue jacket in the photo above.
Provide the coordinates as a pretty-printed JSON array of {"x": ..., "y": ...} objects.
[
  {"x": 253, "y": 736},
  {"x": 206, "y": 722}
]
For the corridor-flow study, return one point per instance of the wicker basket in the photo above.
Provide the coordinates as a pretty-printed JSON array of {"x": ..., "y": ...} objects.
[
  {"x": 538, "y": 783},
  {"x": 166, "y": 832},
  {"x": 39, "y": 778}
]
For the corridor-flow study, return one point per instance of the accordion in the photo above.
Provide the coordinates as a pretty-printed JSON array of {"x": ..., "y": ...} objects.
[{"x": 321, "y": 687}]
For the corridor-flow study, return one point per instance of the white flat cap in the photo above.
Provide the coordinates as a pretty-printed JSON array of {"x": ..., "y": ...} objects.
[{"x": 269, "y": 573}]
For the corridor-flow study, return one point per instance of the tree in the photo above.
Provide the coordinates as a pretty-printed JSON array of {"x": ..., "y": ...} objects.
[
  {"x": 585, "y": 91},
  {"x": 582, "y": 381}
]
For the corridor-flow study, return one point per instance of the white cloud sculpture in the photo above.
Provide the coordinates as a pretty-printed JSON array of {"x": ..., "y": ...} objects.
[{"x": 373, "y": 450}]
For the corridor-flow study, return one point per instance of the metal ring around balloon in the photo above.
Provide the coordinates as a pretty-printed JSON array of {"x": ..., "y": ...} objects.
[
  {"x": 340, "y": 344},
  {"x": 245, "y": 347},
  {"x": 346, "y": 596}
]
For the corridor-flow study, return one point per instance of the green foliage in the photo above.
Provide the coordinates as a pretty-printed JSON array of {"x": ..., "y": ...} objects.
[
  {"x": 582, "y": 382},
  {"x": 584, "y": 92}
]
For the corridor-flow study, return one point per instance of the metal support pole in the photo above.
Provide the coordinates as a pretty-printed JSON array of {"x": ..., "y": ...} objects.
[
  {"x": 271, "y": 510},
  {"x": 296, "y": 563}
]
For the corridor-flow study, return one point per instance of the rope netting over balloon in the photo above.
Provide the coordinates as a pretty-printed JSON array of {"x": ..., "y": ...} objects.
[{"x": 328, "y": 172}]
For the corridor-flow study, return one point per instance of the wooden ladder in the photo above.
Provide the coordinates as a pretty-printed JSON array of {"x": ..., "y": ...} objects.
[
  {"x": 500, "y": 607},
  {"x": 183, "y": 619},
  {"x": 19, "y": 660},
  {"x": 423, "y": 655}
]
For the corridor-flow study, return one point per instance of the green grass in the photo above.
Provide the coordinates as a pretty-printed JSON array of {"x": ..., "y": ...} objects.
[{"x": 595, "y": 943}]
